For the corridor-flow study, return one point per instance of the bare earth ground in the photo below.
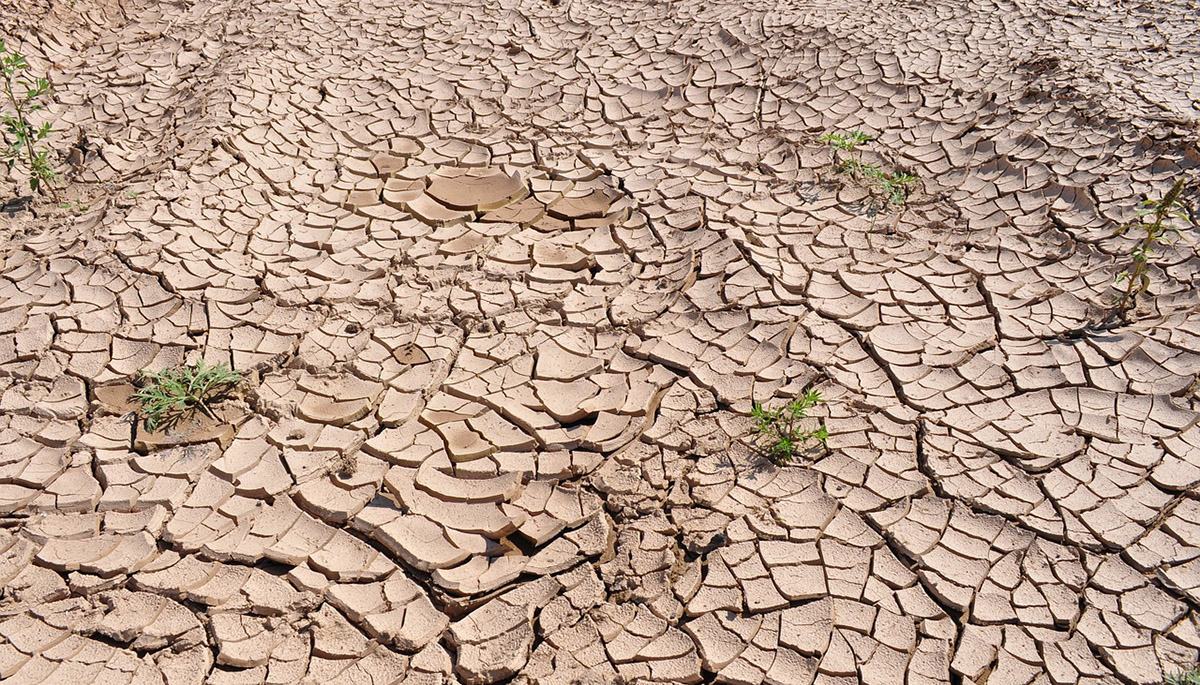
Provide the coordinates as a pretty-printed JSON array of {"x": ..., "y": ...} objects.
[{"x": 507, "y": 276}]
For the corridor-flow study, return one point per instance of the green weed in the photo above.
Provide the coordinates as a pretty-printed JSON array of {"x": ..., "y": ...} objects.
[
  {"x": 75, "y": 205},
  {"x": 847, "y": 143},
  {"x": 23, "y": 138},
  {"x": 1158, "y": 229},
  {"x": 887, "y": 188},
  {"x": 1189, "y": 676},
  {"x": 894, "y": 187},
  {"x": 782, "y": 428},
  {"x": 171, "y": 395}
]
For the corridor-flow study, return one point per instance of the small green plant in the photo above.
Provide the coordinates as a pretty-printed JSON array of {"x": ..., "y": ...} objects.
[
  {"x": 783, "y": 430},
  {"x": 1156, "y": 224},
  {"x": 23, "y": 138},
  {"x": 845, "y": 141},
  {"x": 171, "y": 395},
  {"x": 888, "y": 188},
  {"x": 848, "y": 143},
  {"x": 75, "y": 205},
  {"x": 1190, "y": 676},
  {"x": 894, "y": 187}
]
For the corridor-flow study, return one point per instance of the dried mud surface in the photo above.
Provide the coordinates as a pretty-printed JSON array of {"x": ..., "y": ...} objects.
[{"x": 507, "y": 277}]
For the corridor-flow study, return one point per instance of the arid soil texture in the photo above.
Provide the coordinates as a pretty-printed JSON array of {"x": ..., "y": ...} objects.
[{"x": 506, "y": 278}]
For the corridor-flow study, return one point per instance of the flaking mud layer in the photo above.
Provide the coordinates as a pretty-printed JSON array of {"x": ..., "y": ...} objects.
[{"x": 506, "y": 279}]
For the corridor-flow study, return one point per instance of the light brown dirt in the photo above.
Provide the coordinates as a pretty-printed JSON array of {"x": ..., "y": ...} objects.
[{"x": 506, "y": 279}]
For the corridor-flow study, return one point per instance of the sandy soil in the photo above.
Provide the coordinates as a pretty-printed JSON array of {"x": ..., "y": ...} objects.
[{"x": 506, "y": 278}]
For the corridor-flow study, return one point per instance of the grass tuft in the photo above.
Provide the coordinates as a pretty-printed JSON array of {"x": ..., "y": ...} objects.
[{"x": 171, "y": 395}]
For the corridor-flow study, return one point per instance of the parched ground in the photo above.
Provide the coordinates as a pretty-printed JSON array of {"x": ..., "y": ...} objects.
[{"x": 506, "y": 278}]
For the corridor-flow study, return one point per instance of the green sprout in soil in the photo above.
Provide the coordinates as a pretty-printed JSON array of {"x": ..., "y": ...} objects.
[
  {"x": 171, "y": 395},
  {"x": 1190, "y": 676},
  {"x": 783, "y": 428},
  {"x": 887, "y": 188},
  {"x": 1158, "y": 229},
  {"x": 23, "y": 138},
  {"x": 848, "y": 143},
  {"x": 894, "y": 187}
]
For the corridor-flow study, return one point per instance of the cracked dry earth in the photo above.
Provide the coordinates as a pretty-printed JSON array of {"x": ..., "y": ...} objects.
[{"x": 506, "y": 279}]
